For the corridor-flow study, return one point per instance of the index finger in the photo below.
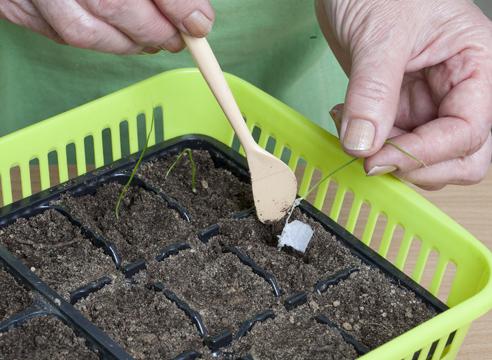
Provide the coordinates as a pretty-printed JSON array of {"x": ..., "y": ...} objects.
[
  {"x": 193, "y": 17},
  {"x": 463, "y": 126}
]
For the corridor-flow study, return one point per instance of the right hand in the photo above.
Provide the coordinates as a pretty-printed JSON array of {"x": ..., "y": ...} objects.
[{"x": 113, "y": 26}]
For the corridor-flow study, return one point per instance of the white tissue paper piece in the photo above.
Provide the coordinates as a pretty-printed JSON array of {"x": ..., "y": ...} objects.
[{"x": 296, "y": 235}]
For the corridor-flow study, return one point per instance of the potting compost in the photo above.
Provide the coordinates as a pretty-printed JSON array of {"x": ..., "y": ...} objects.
[{"x": 185, "y": 275}]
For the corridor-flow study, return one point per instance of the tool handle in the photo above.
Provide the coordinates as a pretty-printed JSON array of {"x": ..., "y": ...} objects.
[{"x": 209, "y": 66}]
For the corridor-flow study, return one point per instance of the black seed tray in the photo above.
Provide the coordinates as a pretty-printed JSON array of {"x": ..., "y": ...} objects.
[{"x": 48, "y": 303}]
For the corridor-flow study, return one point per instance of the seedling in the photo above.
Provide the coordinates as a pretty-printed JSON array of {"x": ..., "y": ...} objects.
[
  {"x": 134, "y": 171},
  {"x": 343, "y": 166},
  {"x": 188, "y": 152},
  {"x": 315, "y": 186},
  {"x": 399, "y": 148}
]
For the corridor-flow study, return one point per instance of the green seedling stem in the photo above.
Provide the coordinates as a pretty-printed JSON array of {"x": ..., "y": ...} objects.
[
  {"x": 134, "y": 171},
  {"x": 343, "y": 166},
  {"x": 411, "y": 156},
  {"x": 188, "y": 152}
]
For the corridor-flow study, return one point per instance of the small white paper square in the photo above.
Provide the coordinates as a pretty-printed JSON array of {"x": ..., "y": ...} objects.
[{"x": 296, "y": 235}]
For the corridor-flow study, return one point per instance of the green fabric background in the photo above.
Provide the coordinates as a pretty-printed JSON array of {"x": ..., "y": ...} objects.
[{"x": 275, "y": 45}]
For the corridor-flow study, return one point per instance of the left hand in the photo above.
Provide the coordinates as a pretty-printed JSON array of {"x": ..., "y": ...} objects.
[{"x": 421, "y": 74}]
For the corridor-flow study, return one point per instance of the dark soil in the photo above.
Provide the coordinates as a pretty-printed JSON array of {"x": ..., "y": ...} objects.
[
  {"x": 56, "y": 251},
  {"x": 294, "y": 335},
  {"x": 223, "y": 290},
  {"x": 371, "y": 308},
  {"x": 142, "y": 320},
  {"x": 367, "y": 304},
  {"x": 295, "y": 272},
  {"x": 44, "y": 338},
  {"x": 146, "y": 224},
  {"x": 219, "y": 193},
  {"x": 14, "y": 298}
]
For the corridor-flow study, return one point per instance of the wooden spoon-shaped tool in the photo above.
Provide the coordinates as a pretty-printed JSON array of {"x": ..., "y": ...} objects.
[{"x": 274, "y": 184}]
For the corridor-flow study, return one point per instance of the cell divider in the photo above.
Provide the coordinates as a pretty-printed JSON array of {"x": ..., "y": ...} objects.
[
  {"x": 86, "y": 290},
  {"x": 194, "y": 315},
  {"x": 323, "y": 285},
  {"x": 37, "y": 309},
  {"x": 246, "y": 260},
  {"x": 248, "y": 325},
  {"x": 359, "y": 347}
]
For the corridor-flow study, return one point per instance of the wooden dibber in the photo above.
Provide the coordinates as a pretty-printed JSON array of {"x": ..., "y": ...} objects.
[{"x": 274, "y": 184}]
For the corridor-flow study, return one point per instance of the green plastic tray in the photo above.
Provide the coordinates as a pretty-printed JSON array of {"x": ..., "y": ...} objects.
[{"x": 114, "y": 126}]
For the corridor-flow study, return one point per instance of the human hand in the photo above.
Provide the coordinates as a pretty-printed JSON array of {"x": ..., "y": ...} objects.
[
  {"x": 114, "y": 26},
  {"x": 421, "y": 74}
]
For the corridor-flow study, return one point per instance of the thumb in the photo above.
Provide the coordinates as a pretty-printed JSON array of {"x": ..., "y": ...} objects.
[{"x": 372, "y": 99}]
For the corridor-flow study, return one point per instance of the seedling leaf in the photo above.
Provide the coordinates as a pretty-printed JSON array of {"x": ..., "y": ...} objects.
[
  {"x": 134, "y": 171},
  {"x": 411, "y": 156},
  {"x": 188, "y": 152}
]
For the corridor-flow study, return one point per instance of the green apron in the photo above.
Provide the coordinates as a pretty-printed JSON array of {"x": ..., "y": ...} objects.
[{"x": 275, "y": 45}]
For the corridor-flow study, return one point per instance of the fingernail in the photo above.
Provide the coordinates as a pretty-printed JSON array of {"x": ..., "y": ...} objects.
[
  {"x": 149, "y": 51},
  {"x": 174, "y": 43},
  {"x": 336, "y": 116},
  {"x": 359, "y": 135},
  {"x": 197, "y": 23},
  {"x": 381, "y": 170}
]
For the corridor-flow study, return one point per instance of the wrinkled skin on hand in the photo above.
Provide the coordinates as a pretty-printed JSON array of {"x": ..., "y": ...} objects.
[
  {"x": 421, "y": 74},
  {"x": 114, "y": 26}
]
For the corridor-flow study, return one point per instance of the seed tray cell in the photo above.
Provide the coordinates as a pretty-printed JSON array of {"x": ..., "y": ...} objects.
[
  {"x": 44, "y": 338},
  {"x": 380, "y": 315},
  {"x": 141, "y": 319},
  {"x": 217, "y": 193},
  {"x": 293, "y": 335},
  {"x": 145, "y": 224},
  {"x": 202, "y": 283},
  {"x": 294, "y": 271},
  {"x": 212, "y": 275},
  {"x": 14, "y": 297},
  {"x": 55, "y": 249}
]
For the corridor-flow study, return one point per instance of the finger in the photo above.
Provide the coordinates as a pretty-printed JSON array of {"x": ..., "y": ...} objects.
[
  {"x": 417, "y": 105},
  {"x": 194, "y": 17},
  {"x": 464, "y": 171},
  {"x": 337, "y": 114},
  {"x": 372, "y": 98},
  {"x": 140, "y": 20},
  {"x": 461, "y": 131},
  {"x": 79, "y": 28},
  {"x": 24, "y": 13}
]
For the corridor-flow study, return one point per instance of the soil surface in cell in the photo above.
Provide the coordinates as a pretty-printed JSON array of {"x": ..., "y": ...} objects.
[
  {"x": 294, "y": 335},
  {"x": 218, "y": 193},
  {"x": 217, "y": 285},
  {"x": 44, "y": 338},
  {"x": 145, "y": 224},
  {"x": 141, "y": 320},
  {"x": 372, "y": 308},
  {"x": 56, "y": 251},
  {"x": 13, "y": 297},
  {"x": 295, "y": 272}
]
